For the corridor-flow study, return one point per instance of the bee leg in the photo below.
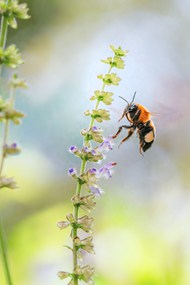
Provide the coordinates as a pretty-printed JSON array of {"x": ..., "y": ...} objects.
[
  {"x": 130, "y": 132},
  {"x": 140, "y": 148},
  {"x": 120, "y": 129},
  {"x": 137, "y": 115}
]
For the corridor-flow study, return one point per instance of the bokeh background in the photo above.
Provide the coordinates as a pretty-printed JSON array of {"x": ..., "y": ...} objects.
[{"x": 142, "y": 228}]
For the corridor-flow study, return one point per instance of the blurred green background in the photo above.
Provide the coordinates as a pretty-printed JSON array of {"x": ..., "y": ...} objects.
[{"x": 142, "y": 229}]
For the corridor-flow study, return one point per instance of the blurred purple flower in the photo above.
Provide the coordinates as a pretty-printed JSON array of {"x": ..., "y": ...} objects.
[
  {"x": 95, "y": 128},
  {"x": 96, "y": 190},
  {"x": 106, "y": 145},
  {"x": 106, "y": 170}
]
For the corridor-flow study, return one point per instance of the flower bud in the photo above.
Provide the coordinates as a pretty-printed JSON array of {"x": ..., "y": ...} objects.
[
  {"x": 12, "y": 149},
  {"x": 73, "y": 173},
  {"x": 63, "y": 274},
  {"x": 70, "y": 217},
  {"x": 63, "y": 224},
  {"x": 6, "y": 182}
]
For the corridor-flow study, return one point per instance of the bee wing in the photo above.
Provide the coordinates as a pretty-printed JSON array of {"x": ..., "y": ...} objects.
[
  {"x": 117, "y": 113},
  {"x": 167, "y": 114}
]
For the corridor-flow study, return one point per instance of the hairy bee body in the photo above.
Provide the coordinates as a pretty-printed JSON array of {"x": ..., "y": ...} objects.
[{"x": 140, "y": 119}]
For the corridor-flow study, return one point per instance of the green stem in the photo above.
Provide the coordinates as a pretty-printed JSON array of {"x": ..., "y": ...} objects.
[
  {"x": 78, "y": 192},
  {"x": 4, "y": 255},
  {"x": 98, "y": 102},
  {"x": 2, "y": 235},
  {"x": 76, "y": 212},
  {"x": 6, "y": 130},
  {"x": 3, "y": 34},
  {"x": 3, "y": 39}
]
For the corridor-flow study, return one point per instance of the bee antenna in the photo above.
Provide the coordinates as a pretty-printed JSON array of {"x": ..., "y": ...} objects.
[
  {"x": 124, "y": 99},
  {"x": 133, "y": 97}
]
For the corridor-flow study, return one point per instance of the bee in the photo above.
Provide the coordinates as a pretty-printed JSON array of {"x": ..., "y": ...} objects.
[{"x": 140, "y": 119}]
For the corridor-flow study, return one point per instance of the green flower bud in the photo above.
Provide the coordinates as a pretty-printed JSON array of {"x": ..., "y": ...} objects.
[
  {"x": 17, "y": 82},
  {"x": 4, "y": 105},
  {"x": 85, "y": 273},
  {"x": 11, "y": 21},
  {"x": 88, "y": 177},
  {"x": 87, "y": 202},
  {"x": 91, "y": 154},
  {"x": 115, "y": 61},
  {"x": 110, "y": 78},
  {"x": 99, "y": 115},
  {"x": 84, "y": 244},
  {"x": 14, "y": 10},
  {"x": 118, "y": 51},
  {"x": 19, "y": 11},
  {"x": 3, "y": 7},
  {"x": 14, "y": 115},
  {"x": 105, "y": 97},
  {"x": 10, "y": 56},
  {"x": 94, "y": 134},
  {"x": 85, "y": 223},
  {"x": 70, "y": 217}
]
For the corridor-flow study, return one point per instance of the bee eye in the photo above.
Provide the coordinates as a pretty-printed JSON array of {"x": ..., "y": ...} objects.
[{"x": 132, "y": 108}]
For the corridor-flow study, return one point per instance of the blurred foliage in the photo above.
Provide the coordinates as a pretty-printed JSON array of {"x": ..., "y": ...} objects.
[{"x": 142, "y": 232}]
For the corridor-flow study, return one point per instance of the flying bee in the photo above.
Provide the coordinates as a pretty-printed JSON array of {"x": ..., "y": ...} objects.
[{"x": 140, "y": 119}]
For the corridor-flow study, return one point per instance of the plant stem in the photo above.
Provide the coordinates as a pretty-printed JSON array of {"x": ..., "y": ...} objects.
[
  {"x": 2, "y": 235},
  {"x": 3, "y": 39},
  {"x": 3, "y": 34},
  {"x": 6, "y": 130},
  {"x": 78, "y": 192},
  {"x": 4, "y": 255}
]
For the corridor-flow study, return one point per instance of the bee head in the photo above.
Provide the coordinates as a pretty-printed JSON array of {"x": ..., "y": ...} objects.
[{"x": 130, "y": 106}]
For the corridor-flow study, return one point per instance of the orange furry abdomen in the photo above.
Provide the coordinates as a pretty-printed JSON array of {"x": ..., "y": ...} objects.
[{"x": 144, "y": 115}]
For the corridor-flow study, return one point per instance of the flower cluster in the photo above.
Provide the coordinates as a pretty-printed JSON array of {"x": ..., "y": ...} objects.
[
  {"x": 8, "y": 114},
  {"x": 95, "y": 145},
  {"x": 10, "y": 57},
  {"x": 12, "y": 10}
]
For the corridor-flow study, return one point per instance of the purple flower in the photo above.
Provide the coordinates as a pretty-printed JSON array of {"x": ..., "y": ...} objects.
[
  {"x": 106, "y": 170},
  {"x": 94, "y": 129},
  {"x": 14, "y": 145},
  {"x": 96, "y": 190},
  {"x": 92, "y": 170},
  {"x": 73, "y": 149},
  {"x": 86, "y": 149},
  {"x": 106, "y": 145},
  {"x": 72, "y": 172}
]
